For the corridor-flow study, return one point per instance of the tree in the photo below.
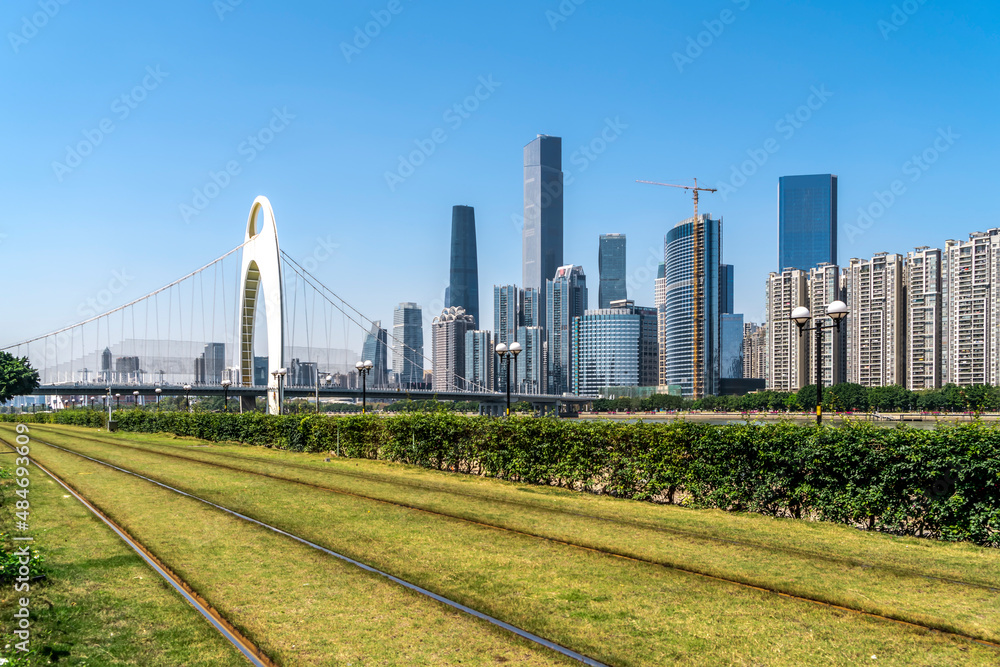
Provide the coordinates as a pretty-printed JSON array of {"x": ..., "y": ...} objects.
[
  {"x": 846, "y": 397},
  {"x": 17, "y": 377},
  {"x": 806, "y": 397}
]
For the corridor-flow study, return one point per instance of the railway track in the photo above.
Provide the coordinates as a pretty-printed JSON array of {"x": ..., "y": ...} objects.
[
  {"x": 791, "y": 551},
  {"x": 605, "y": 552},
  {"x": 220, "y": 623}
]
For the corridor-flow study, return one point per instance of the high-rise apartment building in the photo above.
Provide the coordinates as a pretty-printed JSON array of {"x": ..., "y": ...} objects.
[
  {"x": 506, "y": 312},
  {"x": 787, "y": 351},
  {"x": 807, "y": 221},
  {"x": 480, "y": 361},
  {"x": 542, "y": 251},
  {"x": 660, "y": 303},
  {"x": 566, "y": 298},
  {"x": 531, "y": 316},
  {"x": 448, "y": 341},
  {"x": 692, "y": 320},
  {"x": 970, "y": 320},
  {"x": 923, "y": 270},
  {"x": 825, "y": 287},
  {"x": 611, "y": 269},
  {"x": 530, "y": 374},
  {"x": 408, "y": 344},
  {"x": 876, "y": 349},
  {"x": 376, "y": 350},
  {"x": 463, "y": 283},
  {"x": 614, "y": 347},
  {"x": 754, "y": 351}
]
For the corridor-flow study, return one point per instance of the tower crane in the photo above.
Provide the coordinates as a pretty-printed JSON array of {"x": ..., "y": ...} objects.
[{"x": 698, "y": 280}]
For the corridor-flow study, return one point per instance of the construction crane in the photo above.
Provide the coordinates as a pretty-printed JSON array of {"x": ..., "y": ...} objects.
[{"x": 698, "y": 278}]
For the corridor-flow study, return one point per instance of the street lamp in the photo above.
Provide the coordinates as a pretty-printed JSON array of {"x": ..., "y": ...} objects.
[
  {"x": 836, "y": 311},
  {"x": 279, "y": 376},
  {"x": 118, "y": 401},
  {"x": 158, "y": 392},
  {"x": 187, "y": 397},
  {"x": 135, "y": 398},
  {"x": 364, "y": 369},
  {"x": 509, "y": 354},
  {"x": 225, "y": 388}
]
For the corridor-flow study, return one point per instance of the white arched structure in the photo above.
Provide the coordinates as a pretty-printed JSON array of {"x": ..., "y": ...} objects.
[{"x": 261, "y": 280}]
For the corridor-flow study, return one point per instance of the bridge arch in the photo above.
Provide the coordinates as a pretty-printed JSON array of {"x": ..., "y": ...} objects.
[{"x": 261, "y": 280}]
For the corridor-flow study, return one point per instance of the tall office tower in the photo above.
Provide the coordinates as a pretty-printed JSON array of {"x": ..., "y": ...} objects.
[
  {"x": 260, "y": 371},
  {"x": 807, "y": 221},
  {"x": 302, "y": 374},
  {"x": 210, "y": 365},
  {"x": 448, "y": 340},
  {"x": 971, "y": 315},
  {"x": 754, "y": 351},
  {"x": 732, "y": 345},
  {"x": 728, "y": 290},
  {"x": 614, "y": 347},
  {"x": 127, "y": 370},
  {"x": 876, "y": 347},
  {"x": 376, "y": 350},
  {"x": 543, "y": 214},
  {"x": 825, "y": 287},
  {"x": 530, "y": 315},
  {"x": 923, "y": 272},
  {"x": 506, "y": 312},
  {"x": 480, "y": 361},
  {"x": 463, "y": 283},
  {"x": 787, "y": 351},
  {"x": 566, "y": 298},
  {"x": 408, "y": 344},
  {"x": 106, "y": 365},
  {"x": 611, "y": 267},
  {"x": 692, "y": 334},
  {"x": 530, "y": 373},
  {"x": 660, "y": 303}
]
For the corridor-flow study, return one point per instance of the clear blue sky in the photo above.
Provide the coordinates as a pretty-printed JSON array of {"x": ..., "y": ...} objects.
[{"x": 64, "y": 233}]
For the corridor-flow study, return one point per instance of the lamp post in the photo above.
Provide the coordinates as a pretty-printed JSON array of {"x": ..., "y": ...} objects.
[
  {"x": 364, "y": 369},
  {"x": 187, "y": 397},
  {"x": 836, "y": 311},
  {"x": 135, "y": 398},
  {"x": 225, "y": 388},
  {"x": 279, "y": 375},
  {"x": 158, "y": 392},
  {"x": 118, "y": 401},
  {"x": 508, "y": 354}
]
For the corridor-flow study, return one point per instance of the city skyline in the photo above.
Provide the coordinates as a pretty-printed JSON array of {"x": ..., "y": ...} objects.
[{"x": 193, "y": 119}]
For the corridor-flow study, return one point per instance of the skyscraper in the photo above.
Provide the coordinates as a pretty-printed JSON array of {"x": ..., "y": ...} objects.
[
  {"x": 376, "y": 350},
  {"x": 825, "y": 287},
  {"x": 614, "y": 347},
  {"x": 408, "y": 344},
  {"x": 448, "y": 342},
  {"x": 566, "y": 298},
  {"x": 971, "y": 315},
  {"x": 692, "y": 335},
  {"x": 732, "y": 346},
  {"x": 728, "y": 290},
  {"x": 807, "y": 221},
  {"x": 754, "y": 351},
  {"x": 611, "y": 269},
  {"x": 530, "y": 315},
  {"x": 532, "y": 374},
  {"x": 923, "y": 272},
  {"x": 875, "y": 327},
  {"x": 660, "y": 303},
  {"x": 506, "y": 312},
  {"x": 543, "y": 214},
  {"x": 480, "y": 361},
  {"x": 463, "y": 283}
]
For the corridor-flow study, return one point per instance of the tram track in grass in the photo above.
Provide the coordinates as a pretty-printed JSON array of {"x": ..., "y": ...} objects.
[
  {"x": 993, "y": 587},
  {"x": 938, "y": 627}
]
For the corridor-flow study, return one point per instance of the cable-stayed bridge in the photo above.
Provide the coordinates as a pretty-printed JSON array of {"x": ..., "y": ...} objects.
[{"x": 252, "y": 323}]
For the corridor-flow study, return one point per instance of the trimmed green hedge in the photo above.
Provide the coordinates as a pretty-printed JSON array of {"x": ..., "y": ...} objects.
[{"x": 942, "y": 483}]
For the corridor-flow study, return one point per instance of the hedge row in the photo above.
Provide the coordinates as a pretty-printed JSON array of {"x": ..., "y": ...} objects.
[{"x": 942, "y": 483}]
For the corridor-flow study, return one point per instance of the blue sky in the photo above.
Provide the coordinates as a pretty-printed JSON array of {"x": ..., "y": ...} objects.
[{"x": 886, "y": 82}]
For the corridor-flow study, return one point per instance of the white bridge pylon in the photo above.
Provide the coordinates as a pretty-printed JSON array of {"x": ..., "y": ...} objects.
[{"x": 261, "y": 280}]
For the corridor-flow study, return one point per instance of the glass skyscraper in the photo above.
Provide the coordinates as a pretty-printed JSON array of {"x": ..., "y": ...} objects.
[
  {"x": 543, "y": 214},
  {"x": 614, "y": 347},
  {"x": 463, "y": 283},
  {"x": 807, "y": 221},
  {"x": 506, "y": 312},
  {"x": 480, "y": 361},
  {"x": 376, "y": 350},
  {"x": 611, "y": 267},
  {"x": 732, "y": 346},
  {"x": 680, "y": 323},
  {"x": 566, "y": 298},
  {"x": 728, "y": 295},
  {"x": 408, "y": 344}
]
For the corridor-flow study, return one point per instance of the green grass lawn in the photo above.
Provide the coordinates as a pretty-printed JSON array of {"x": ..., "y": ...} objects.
[
  {"x": 101, "y": 603},
  {"x": 618, "y": 611}
]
